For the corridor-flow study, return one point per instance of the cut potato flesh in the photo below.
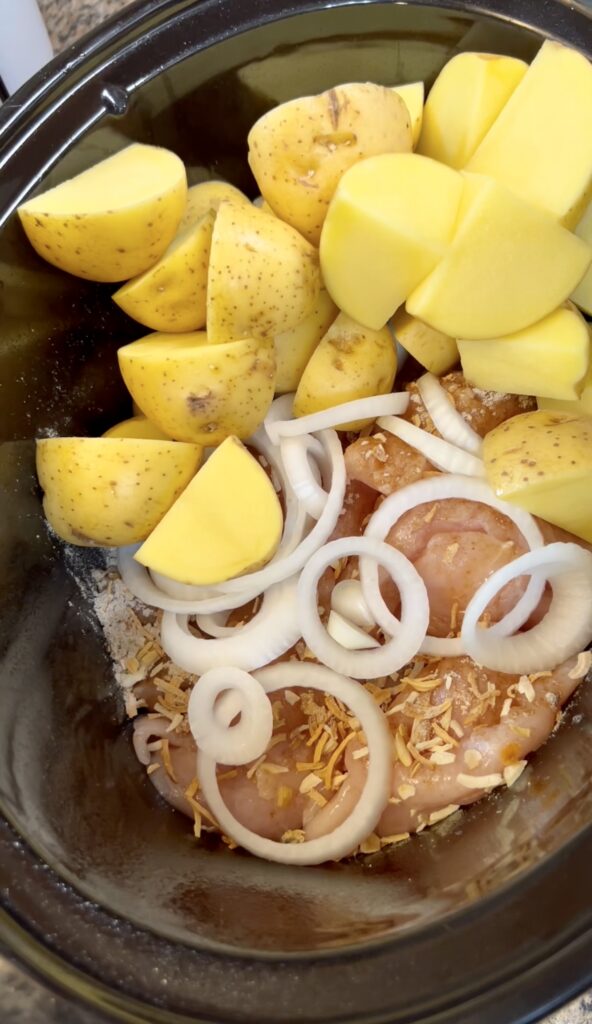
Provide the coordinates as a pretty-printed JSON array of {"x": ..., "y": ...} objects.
[
  {"x": 510, "y": 264},
  {"x": 540, "y": 146},
  {"x": 388, "y": 225},
  {"x": 412, "y": 95},
  {"x": 433, "y": 350},
  {"x": 581, "y": 406},
  {"x": 542, "y": 461},
  {"x": 114, "y": 220},
  {"x": 463, "y": 103},
  {"x": 207, "y": 196},
  {"x": 111, "y": 491},
  {"x": 137, "y": 426},
  {"x": 582, "y": 295},
  {"x": 294, "y": 348},
  {"x": 226, "y": 522},
  {"x": 550, "y": 358}
]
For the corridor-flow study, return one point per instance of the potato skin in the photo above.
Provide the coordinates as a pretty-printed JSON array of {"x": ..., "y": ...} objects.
[
  {"x": 137, "y": 426},
  {"x": 119, "y": 237},
  {"x": 294, "y": 348},
  {"x": 299, "y": 150},
  {"x": 206, "y": 196},
  {"x": 350, "y": 362},
  {"x": 198, "y": 392},
  {"x": 263, "y": 277},
  {"x": 171, "y": 296},
  {"x": 109, "y": 492}
]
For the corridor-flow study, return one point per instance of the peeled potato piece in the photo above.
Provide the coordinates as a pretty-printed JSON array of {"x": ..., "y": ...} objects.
[
  {"x": 433, "y": 350},
  {"x": 263, "y": 276},
  {"x": 388, "y": 225},
  {"x": 226, "y": 522},
  {"x": 580, "y": 406},
  {"x": 542, "y": 461},
  {"x": 207, "y": 196},
  {"x": 300, "y": 149},
  {"x": 412, "y": 94},
  {"x": 350, "y": 362},
  {"x": 195, "y": 391},
  {"x": 137, "y": 426},
  {"x": 111, "y": 491},
  {"x": 582, "y": 295},
  {"x": 171, "y": 296},
  {"x": 114, "y": 220},
  {"x": 549, "y": 358},
  {"x": 294, "y": 348},
  {"x": 463, "y": 103},
  {"x": 509, "y": 265}
]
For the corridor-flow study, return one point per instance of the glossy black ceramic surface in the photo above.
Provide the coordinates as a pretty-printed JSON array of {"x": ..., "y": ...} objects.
[{"x": 486, "y": 918}]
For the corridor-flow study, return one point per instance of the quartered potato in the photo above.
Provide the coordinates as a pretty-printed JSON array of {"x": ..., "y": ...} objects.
[
  {"x": 582, "y": 295},
  {"x": 350, "y": 362},
  {"x": 550, "y": 358},
  {"x": 509, "y": 265},
  {"x": 207, "y": 196},
  {"x": 137, "y": 426},
  {"x": 580, "y": 406},
  {"x": 388, "y": 225},
  {"x": 111, "y": 491},
  {"x": 464, "y": 101},
  {"x": 195, "y": 391},
  {"x": 433, "y": 350},
  {"x": 227, "y": 521},
  {"x": 114, "y": 220},
  {"x": 299, "y": 150},
  {"x": 542, "y": 461},
  {"x": 171, "y": 296},
  {"x": 263, "y": 276},
  {"x": 294, "y": 348},
  {"x": 412, "y": 95}
]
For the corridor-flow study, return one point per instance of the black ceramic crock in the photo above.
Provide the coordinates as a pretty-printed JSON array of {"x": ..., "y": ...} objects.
[{"x": 104, "y": 892}]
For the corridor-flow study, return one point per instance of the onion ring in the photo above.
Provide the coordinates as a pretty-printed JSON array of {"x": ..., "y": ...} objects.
[
  {"x": 211, "y": 715},
  {"x": 448, "y": 421},
  {"x": 363, "y": 819},
  {"x": 443, "y": 455},
  {"x": 296, "y": 455},
  {"x": 360, "y": 409}
]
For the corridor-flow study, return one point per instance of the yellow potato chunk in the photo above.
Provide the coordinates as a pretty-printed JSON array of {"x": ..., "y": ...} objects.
[
  {"x": 300, "y": 149},
  {"x": 199, "y": 392},
  {"x": 207, "y": 196},
  {"x": 412, "y": 94},
  {"x": 111, "y": 491},
  {"x": 540, "y": 146},
  {"x": 463, "y": 103},
  {"x": 388, "y": 225},
  {"x": 263, "y": 276},
  {"x": 542, "y": 461},
  {"x": 582, "y": 295},
  {"x": 294, "y": 348},
  {"x": 510, "y": 264},
  {"x": 171, "y": 296},
  {"x": 350, "y": 362},
  {"x": 227, "y": 522},
  {"x": 549, "y": 358},
  {"x": 580, "y": 406},
  {"x": 114, "y": 220},
  {"x": 434, "y": 351},
  {"x": 137, "y": 426}
]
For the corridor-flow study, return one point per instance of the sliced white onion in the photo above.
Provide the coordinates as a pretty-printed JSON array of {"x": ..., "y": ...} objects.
[
  {"x": 268, "y": 635},
  {"x": 214, "y": 625},
  {"x": 287, "y": 563},
  {"x": 440, "y": 488},
  {"x": 360, "y": 409},
  {"x": 348, "y": 635},
  {"x": 363, "y": 819},
  {"x": 447, "y": 420},
  {"x": 565, "y": 630},
  {"x": 441, "y": 454},
  {"x": 139, "y": 582},
  {"x": 303, "y": 473},
  {"x": 217, "y": 698},
  {"x": 415, "y": 610},
  {"x": 347, "y": 599},
  {"x": 181, "y": 591}
]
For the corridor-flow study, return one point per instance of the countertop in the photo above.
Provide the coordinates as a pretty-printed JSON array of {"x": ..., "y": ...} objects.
[{"x": 23, "y": 1000}]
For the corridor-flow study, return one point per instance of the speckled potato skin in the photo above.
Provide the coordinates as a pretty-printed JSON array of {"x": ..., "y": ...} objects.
[
  {"x": 300, "y": 149},
  {"x": 108, "y": 492},
  {"x": 111, "y": 244},
  {"x": 263, "y": 277},
  {"x": 542, "y": 461},
  {"x": 207, "y": 196},
  {"x": 195, "y": 391},
  {"x": 137, "y": 426},
  {"x": 294, "y": 348},
  {"x": 350, "y": 362},
  {"x": 171, "y": 296}
]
